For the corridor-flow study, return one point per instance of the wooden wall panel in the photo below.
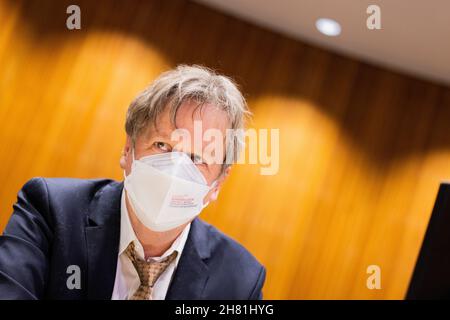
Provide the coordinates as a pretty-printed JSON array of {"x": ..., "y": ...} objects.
[{"x": 362, "y": 149}]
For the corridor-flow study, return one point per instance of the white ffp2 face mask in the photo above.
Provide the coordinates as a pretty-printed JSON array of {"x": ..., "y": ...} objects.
[{"x": 166, "y": 190}]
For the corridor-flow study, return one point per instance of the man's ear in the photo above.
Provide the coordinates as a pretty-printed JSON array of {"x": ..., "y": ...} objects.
[
  {"x": 220, "y": 181},
  {"x": 125, "y": 152}
]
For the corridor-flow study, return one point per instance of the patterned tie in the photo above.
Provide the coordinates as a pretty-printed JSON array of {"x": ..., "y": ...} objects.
[{"x": 148, "y": 272}]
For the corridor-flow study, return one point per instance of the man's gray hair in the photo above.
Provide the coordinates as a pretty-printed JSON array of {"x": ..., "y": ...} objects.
[{"x": 190, "y": 83}]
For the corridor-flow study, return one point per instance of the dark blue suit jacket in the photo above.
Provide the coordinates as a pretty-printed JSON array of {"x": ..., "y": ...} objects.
[{"x": 61, "y": 222}]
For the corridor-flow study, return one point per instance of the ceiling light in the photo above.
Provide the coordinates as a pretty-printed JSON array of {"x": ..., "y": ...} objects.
[{"x": 328, "y": 27}]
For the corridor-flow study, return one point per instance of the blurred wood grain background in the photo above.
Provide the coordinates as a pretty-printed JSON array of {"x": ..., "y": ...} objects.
[{"x": 362, "y": 149}]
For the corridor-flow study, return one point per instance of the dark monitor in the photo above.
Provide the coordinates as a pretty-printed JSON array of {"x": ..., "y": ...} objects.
[{"x": 431, "y": 277}]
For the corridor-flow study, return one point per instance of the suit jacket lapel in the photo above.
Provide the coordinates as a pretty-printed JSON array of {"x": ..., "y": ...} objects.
[
  {"x": 192, "y": 272},
  {"x": 102, "y": 241}
]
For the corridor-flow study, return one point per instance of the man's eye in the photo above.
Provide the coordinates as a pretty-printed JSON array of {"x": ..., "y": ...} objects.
[{"x": 164, "y": 147}]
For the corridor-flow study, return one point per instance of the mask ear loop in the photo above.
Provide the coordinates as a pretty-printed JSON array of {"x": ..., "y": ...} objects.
[
  {"x": 213, "y": 185},
  {"x": 132, "y": 153}
]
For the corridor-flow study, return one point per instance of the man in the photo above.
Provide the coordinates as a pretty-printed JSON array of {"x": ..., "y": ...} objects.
[{"x": 139, "y": 239}]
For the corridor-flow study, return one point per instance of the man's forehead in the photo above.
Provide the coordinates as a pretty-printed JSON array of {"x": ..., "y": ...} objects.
[{"x": 161, "y": 128}]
